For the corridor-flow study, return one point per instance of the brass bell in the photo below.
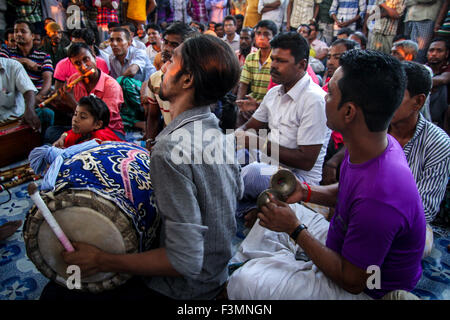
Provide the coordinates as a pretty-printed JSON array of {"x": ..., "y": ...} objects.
[
  {"x": 284, "y": 182},
  {"x": 264, "y": 199}
]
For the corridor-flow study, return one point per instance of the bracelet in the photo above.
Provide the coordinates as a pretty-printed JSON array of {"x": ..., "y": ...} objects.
[
  {"x": 297, "y": 231},
  {"x": 308, "y": 197}
]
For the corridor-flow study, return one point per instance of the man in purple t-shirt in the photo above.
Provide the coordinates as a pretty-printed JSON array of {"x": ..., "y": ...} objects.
[{"x": 375, "y": 240}]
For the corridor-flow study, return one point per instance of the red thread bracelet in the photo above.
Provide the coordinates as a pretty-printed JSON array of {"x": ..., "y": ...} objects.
[{"x": 309, "y": 193}]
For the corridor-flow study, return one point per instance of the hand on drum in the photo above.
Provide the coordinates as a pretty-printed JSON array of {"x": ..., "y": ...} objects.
[
  {"x": 278, "y": 216},
  {"x": 85, "y": 256}
]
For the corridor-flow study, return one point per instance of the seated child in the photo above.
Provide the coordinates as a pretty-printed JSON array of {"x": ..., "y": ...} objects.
[{"x": 90, "y": 121}]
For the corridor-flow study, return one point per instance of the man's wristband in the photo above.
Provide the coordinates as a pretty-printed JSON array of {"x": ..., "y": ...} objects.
[
  {"x": 308, "y": 197},
  {"x": 297, "y": 231}
]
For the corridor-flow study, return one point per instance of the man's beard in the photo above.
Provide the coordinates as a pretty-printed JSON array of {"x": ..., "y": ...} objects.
[{"x": 245, "y": 51}]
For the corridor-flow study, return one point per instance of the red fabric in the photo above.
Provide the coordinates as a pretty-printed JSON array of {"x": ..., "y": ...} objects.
[
  {"x": 336, "y": 136},
  {"x": 308, "y": 69},
  {"x": 105, "y": 134}
]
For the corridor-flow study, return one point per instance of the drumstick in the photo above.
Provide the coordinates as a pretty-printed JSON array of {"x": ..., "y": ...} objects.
[
  {"x": 34, "y": 195},
  {"x": 69, "y": 86}
]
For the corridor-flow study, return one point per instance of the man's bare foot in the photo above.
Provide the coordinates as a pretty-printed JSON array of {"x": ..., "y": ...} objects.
[
  {"x": 250, "y": 218},
  {"x": 9, "y": 228}
]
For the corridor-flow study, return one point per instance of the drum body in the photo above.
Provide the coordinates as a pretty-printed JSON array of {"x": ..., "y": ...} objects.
[{"x": 103, "y": 197}]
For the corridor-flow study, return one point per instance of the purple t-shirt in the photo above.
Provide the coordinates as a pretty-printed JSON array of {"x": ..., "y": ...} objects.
[{"x": 379, "y": 219}]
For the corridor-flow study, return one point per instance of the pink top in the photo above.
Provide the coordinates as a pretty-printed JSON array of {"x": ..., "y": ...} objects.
[
  {"x": 64, "y": 68},
  {"x": 109, "y": 91}
]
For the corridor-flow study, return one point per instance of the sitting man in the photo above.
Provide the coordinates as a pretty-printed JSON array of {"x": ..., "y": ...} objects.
[
  {"x": 98, "y": 83},
  {"x": 426, "y": 146},
  {"x": 198, "y": 220},
  {"x": 126, "y": 60},
  {"x": 295, "y": 114},
  {"x": 374, "y": 242},
  {"x": 17, "y": 93},
  {"x": 173, "y": 36},
  {"x": 38, "y": 66}
]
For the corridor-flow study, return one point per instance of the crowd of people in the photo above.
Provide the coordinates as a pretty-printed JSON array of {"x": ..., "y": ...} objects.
[{"x": 349, "y": 91}]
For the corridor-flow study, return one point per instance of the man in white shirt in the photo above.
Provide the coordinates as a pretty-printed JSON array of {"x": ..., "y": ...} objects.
[
  {"x": 17, "y": 93},
  {"x": 231, "y": 37},
  {"x": 295, "y": 114}
]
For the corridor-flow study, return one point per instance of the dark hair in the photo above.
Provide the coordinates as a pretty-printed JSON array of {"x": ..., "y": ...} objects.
[
  {"x": 375, "y": 82},
  {"x": 239, "y": 17},
  {"x": 86, "y": 34},
  {"x": 8, "y": 31},
  {"x": 361, "y": 38},
  {"x": 294, "y": 42},
  {"x": 306, "y": 26},
  {"x": 213, "y": 65},
  {"x": 418, "y": 78},
  {"x": 125, "y": 31},
  {"x": 248, "y": 30},
  {"x": 153, "y": 26},
  {"x": 349, "y": 44},
  {"x": 30, "y": 25},
  {"x": 346, "y": 31},
  {"x": 179, "y": 28},
  {"x": 232, "y": 18},
  {"x": 269, "y": 24},
  {"x": 401, "y": 36},
  {"x": 219, "y": 24},
  {"x": 130, "y": 25},
  {"x": 200, "y": 25},
  {"x": 315, "y": 24},
  {"x": 445, "y": 41},
  {"x": 75, "y": 49},
  {"x": 112, "y": 25},
  {"x": 97, "y": 107}
]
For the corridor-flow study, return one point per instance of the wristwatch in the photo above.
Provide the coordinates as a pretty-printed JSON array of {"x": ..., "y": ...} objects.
[{"x": 297, "y": 231}]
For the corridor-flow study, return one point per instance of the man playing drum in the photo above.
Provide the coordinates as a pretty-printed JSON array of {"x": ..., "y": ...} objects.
[{"x": 196, "y": 197}]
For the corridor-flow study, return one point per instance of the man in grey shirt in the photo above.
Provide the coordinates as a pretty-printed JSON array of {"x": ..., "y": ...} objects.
[
  {"x": 196, "y": 180},
  {"x": 127, "y": 60}
]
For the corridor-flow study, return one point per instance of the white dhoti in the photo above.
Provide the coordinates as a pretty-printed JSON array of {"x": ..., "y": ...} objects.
[{"x": 273, "y": 273}]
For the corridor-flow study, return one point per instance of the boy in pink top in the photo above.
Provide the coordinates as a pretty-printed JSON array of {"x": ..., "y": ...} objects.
[{"x": 64, "y": 68}]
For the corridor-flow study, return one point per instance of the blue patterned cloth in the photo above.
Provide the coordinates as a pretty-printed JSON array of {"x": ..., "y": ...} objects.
[{"x": 119, "y": 172}]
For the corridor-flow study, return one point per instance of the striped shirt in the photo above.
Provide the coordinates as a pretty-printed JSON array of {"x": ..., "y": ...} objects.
[
  {"x": 26, "y": 13},
  {"x": 388, "y": 26},
  {"x": 428, "y": 155},
  {"x": 255, "y": 75},
  {"x": 347, "y": 9},
  {"x": 41, "y": 58}
]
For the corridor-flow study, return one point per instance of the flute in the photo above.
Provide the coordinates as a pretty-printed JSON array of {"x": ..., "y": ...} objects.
[{"x": 69, "y": 86}]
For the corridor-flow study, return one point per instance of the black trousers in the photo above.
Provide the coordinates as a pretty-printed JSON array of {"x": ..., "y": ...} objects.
[{"x": 134, "y": 289}]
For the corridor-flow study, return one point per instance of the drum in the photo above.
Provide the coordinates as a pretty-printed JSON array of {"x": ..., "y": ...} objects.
[
  {"x": 103, "y": 197},
  {"x": 13, "y": 134}
]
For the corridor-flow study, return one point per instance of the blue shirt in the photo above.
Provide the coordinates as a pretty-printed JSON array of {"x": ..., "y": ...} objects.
[{"x": 134, "y": 56}]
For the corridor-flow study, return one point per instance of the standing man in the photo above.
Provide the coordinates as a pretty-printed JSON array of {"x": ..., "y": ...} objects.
[
  {"x": 245, "y": 45},
  {"x": 346, "y": 13},
  {"x": 255, "y": 75},
  {"x": 378, "y": 223},
  {"x": 231, "y": 37},
  {"x": 294, "y": 112},
  {"x": 419, "y": 24},
  {"x": 198, "y": 221},
  {"x": 438, "y": 61},
  {"x": 301, "y": 12},
  {"x": 385, "y": 27},
  {"x": 126, "y": 60}
]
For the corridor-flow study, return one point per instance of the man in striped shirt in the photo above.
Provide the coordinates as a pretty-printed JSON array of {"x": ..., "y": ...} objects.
[
  {"x": 426, "y": 146},
  {"x": 37, "y": 64},
  {"x": 256, "y": 71},
  {"x": 346, "y": 13}
]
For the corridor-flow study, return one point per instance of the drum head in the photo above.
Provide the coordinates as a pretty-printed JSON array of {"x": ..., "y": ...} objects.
[
  {"x": 84, "y": 216},
  {"x": 80, "y": 225}
]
